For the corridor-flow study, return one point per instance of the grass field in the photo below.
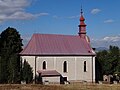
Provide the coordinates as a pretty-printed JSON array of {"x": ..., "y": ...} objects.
[{"x": 60, "y": 87}]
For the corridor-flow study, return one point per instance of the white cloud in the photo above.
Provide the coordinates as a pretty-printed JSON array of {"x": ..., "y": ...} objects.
[
  {"x": 109, "y": 21},
  {"x": 56, "y": 17},
  {"x": 25, "y": 15},
  {"x": 11, "y": 6},
  {"x": 69, "y": 17},
  {"x": 15, "y": 10},
  {"x": 42, "y": 14},
  {"x": 95, "y": 11},
  {"x": 111, "y": 39},
  {"x": 106, "y": 41}
]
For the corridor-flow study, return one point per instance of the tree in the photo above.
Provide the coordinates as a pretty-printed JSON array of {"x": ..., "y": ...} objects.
[
  {"x": 27, "y": 72},
  {"x": 102, "y": 59},
  {"x": 114, "y": 54},
  {"x": 98, "y": 70},
  {"x": 110, "y": 60},
  {"x": 11, "y": 46}
]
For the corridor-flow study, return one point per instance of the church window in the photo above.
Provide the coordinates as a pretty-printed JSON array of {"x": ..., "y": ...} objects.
[
  {"x": 85, "y": 66},
  {"x": 44, "y": 65},
  {"x": 65, "y": 66}
]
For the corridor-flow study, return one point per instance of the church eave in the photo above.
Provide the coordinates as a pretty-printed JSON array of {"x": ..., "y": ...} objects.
[{"x": 58, "y": 54}]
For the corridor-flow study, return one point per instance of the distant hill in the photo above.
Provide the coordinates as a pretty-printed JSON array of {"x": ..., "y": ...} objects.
[{"x": 101, "y": 48}]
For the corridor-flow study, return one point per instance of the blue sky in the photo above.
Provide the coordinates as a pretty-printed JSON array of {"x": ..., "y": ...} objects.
[{"x": 62, "y": 17}]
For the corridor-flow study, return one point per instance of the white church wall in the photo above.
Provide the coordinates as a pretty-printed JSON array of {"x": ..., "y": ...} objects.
[
  {"x": 94, "y": 69},
  {"x": 70, "y": 74},
  {"x": 80, "y": 73},
  {"x": 49, "y": 63},
  {"x": 75, "y": 66},
  {"x": 55, "y": 79}
]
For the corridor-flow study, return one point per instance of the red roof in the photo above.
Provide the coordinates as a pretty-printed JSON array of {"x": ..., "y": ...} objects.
[
  {"x": 52, "y": 44},
  {"x": 45, "y": 73},
  {"x": 82, "y": 18}
]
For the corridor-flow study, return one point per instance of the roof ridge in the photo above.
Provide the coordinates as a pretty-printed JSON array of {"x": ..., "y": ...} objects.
[{"x": 53, "y": 34}]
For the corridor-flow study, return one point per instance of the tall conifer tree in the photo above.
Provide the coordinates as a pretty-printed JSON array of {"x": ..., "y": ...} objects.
[{"x": 11, "y": 45}]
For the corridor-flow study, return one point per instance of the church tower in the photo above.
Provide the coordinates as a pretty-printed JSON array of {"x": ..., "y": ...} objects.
[{"x": 82, "y": 26}]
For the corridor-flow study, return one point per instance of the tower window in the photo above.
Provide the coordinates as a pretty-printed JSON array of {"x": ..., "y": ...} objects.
[
  {"x": 44, "y": 65},
  {"x": 65, "y": 66},
  {"x": 85, "y": 66}
]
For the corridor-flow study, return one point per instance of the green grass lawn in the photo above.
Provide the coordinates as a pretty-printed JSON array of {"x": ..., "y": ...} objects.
[{"x": 60, "y": 87}]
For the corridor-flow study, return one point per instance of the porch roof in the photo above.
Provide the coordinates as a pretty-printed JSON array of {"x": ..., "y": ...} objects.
[{"x": 48, "y": 73}]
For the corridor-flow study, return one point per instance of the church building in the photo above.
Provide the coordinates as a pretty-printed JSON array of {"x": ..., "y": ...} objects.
[{"x": 61, "y": 58}]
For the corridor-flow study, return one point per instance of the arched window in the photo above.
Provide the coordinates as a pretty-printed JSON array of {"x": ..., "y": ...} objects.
[
  {"x": 85, "y": 66},
  {"x": 44, "y": 65},
  {"x": 65, "y": 66}
]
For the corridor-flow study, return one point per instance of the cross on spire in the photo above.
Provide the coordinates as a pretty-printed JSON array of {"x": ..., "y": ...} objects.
[{"x": 81, "y": 10}]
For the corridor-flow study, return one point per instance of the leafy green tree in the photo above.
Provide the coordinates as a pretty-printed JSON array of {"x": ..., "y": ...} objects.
[
  {"x": 110, "y": 60},
  {"x": 11, "y": 46},
  {"x": 102, "y": 58},
  {"x": 114, "y": 54},
  {"x": 27, "y": 72}
]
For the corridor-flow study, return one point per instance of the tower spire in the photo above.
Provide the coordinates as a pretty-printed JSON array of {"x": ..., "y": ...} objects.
[
  {"x": 82, "y": 26},
  {"x": 81, "y": 10}
]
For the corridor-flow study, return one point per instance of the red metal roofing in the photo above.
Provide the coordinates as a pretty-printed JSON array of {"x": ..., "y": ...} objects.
[
  {"x": 52, "y": 44},
  {"x": 82, "y": 18},
  {"x": 48, "y": 73}
]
